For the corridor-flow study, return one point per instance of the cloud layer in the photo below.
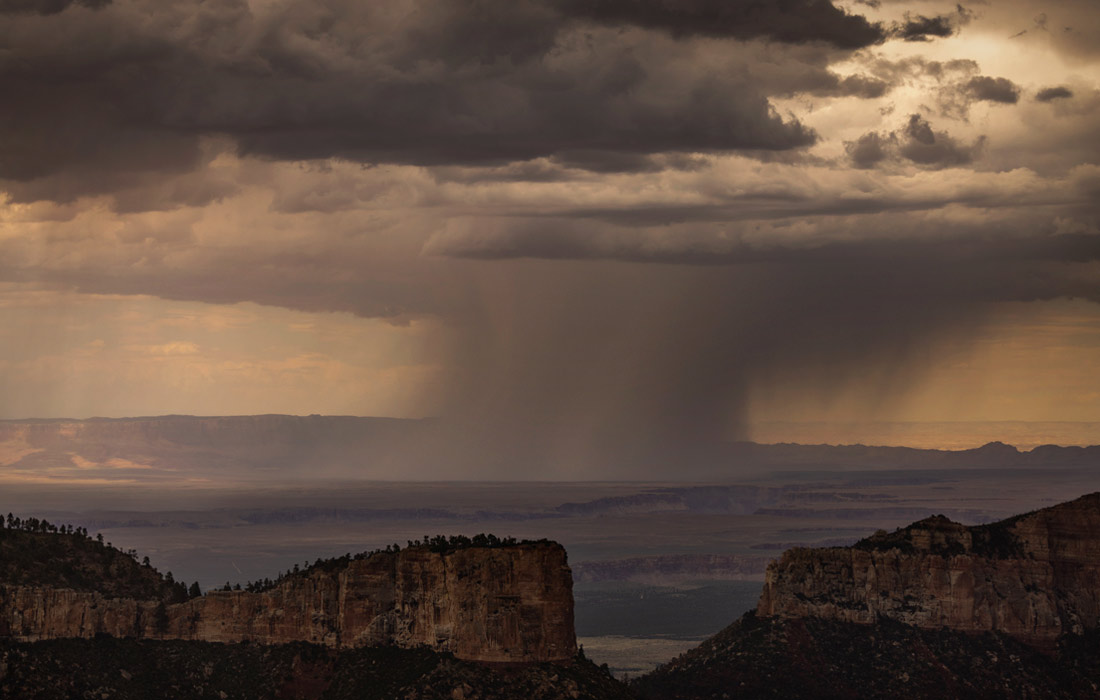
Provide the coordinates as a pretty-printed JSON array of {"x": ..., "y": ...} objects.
[{"x": 622, "y": 221}]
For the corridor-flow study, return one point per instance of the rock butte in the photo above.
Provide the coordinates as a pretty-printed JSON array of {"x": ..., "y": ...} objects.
[
  {"x": 1034, "y": 576},
  {"x": 511, "y": 604}
]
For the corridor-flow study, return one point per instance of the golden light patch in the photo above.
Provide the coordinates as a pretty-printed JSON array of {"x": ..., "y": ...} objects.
[
  {"x": 15, "y": 449},
  {"x": 113, "y": 463}
]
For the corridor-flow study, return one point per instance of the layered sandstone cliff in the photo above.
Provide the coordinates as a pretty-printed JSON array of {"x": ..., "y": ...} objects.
[
  {"x": 1035, "y": 576},
  {"x": 511, "y": 604}
]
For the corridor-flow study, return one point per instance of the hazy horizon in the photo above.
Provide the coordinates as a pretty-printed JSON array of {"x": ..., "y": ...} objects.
[{"x": 936, "y": 435}]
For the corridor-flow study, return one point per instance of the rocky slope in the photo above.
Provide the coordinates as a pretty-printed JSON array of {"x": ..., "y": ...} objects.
[
  {"x": 510, "y": 604},
  {"x": 1034, "y": 576},
  {"x": 933, "y": 610},
  {"x": 793, "y": 658}
]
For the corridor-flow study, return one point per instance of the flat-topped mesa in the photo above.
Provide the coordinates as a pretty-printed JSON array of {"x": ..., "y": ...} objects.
[
  {"x": 507, "y": 604},
  {"x": 1034, "y": 576}
]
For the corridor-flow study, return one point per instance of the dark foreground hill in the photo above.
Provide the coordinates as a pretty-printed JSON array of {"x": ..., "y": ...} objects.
[
  {"x": 816, "y": 658},
  {"x": 130, "y": 669},
  {"x": 933, "y": 610}
]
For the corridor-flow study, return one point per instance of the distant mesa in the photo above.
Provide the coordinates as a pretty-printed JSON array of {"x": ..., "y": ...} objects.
[{"x": 243, "y": 449}]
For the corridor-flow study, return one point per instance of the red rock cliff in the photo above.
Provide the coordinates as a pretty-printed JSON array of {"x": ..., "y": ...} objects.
[
  {"x": 1035, "y": 576},
  {"x": 509, "y": 604}
]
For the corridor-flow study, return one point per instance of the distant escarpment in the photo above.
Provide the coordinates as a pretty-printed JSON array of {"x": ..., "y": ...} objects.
[
  {"x": 509, "y": 604},
  {"x": 263, "y": 448},
  {"x": 1035, "y": 577}
]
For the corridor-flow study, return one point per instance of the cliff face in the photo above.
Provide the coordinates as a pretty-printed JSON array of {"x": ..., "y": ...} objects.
[
  {"x": 1035, "y": 576},
  {"x": 509, "y": 604}
]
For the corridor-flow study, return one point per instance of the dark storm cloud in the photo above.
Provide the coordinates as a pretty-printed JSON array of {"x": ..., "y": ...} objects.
[
  {"x": 1001, "y": 90},
  {"x": 863, "y": 86},
  {"x": 132, "y": 89},
  {"x": 794, "y": 21},
  {"x": 956, "y": 99},
  {"x": 870, "y": 149},
  {"x": 1050, "y": 94},
  {"x": 961, "y": 246},
  {"x": 46, "y": 7},
  {"x": 921, "y": 28},
  {"x": 936, "y": 149},
  {"x": 916, "y": 142}
]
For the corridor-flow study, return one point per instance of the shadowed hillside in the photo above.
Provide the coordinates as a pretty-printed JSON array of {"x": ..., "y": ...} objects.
[
  {"x": 128, "y": 669},
  {"x": 815, "y": 658}
]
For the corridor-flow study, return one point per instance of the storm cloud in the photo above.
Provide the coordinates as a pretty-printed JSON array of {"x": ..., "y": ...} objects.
[
  {"x": 793, "y": 21},
  {"x": 47, "y": 7},
  {"x": 1001, "y": 90},
  {"x": 131, "y": 89},
  {"x": 921, "y": 28},
  {"x": 916, "y": 142},
  {"x": 612, "y": 225},
  {"x": 1058, "y": 92}
]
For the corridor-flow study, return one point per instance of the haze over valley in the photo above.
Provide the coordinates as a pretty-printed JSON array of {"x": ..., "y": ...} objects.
[{"x": 657, "y": 565}]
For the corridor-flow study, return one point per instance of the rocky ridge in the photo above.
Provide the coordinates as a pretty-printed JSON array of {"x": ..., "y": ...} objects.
[
  {"x": 510, "y": 604},
  {"x": 1035, "y": 577},
  {"x": 933, "y": 610}
]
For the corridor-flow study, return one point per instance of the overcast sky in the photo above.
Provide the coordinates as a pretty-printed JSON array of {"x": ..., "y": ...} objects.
[{"x": 578, "y": 222}]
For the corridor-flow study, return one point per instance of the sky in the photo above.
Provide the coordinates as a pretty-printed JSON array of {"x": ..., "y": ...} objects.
[{"x": 564, "y": 224}]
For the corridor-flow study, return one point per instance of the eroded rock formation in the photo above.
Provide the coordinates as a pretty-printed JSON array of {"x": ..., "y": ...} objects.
[
  {"x": 510, "y": 604},
  {"x": 1034, "y": 576}
]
